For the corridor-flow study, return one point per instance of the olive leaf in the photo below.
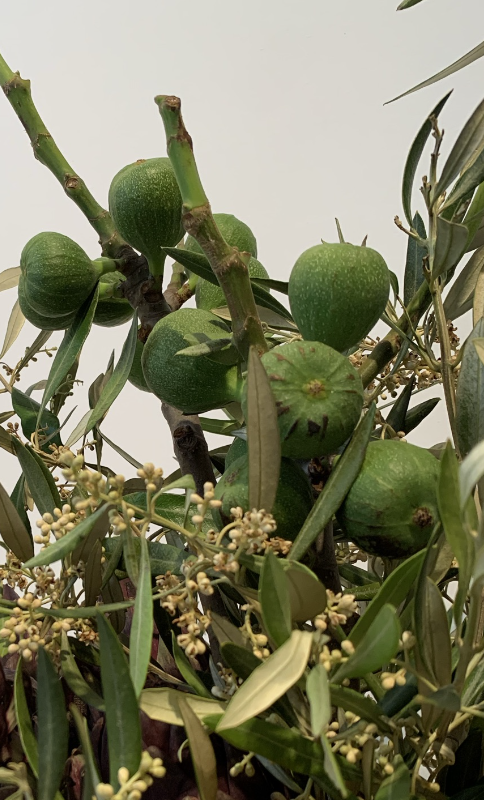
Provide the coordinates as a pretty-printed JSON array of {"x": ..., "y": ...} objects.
[
  {"x": 141, "y": 635},
  {"x": 24, "y": 721},
  {"x": 460, "y": 297},
  {"x": 306, "y": 594},
  {"x": 39, "y": 479},
  {"x": 274, "y": 599},
  {"x": 264, "y": 444},
  {"x": 74, "y": 679},
  {"x": 470, "y": 394},
  {"x": 33, "y": 418},
  {"x": 201, "y": 751},
  {"x": 450, "y": 246},
  {"x": 474, "y": 220},
  {"x": 359, "y": 704},
  {"x": 464, "y": 153},
  {"x": 91, "y": 775},
  {"x": 418, "y": 413},
  {"x": 62, "y": 547},
  {"x": 187, "y": 672},
  {"x": 415, "y": 155},
  {"x": 12, "y": 529},
  {"x": 376, "y": 647},
  {"x": 269, "y": 681},
  {"x": 14, "y": 326},
  {"x": 53, "y": 729},
  {"x": 9, "y": 278},
  {"x": 432, "y": 632},
  {"x": 397, "y": 785},
  {"x": 471, "y": 472},
  {"x": 414, "y": 274},
  {"x": 163, "y": 705},
  {"x": 317, "y": 690}
]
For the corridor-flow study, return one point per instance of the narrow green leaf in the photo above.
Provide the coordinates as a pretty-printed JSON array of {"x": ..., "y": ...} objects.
[
  {"x": 414, "y": 157},
  {"x": 332, "y": 767},
  {"x": 98, "y": 532},
  {"x": 12, "y": 530},
  {"x": 469, "y": 180},
  {"x": 394, "y": 591},
  {"x": 478, "y": 308},
  {"x": 93, "y": 576},
  {"x": 470, "y": 395},
  {"x": 62, "y": 547},
  {"x": 450, "y": 246},
  {"x": 262, "y": 436},
  {"x": 39, "y": 479},
  {"x": 337, "y": 487},
  {"x": 466, "y": 149},
  {"x": 283, "y": 746},
  {"x": 52, "y": 727},
  {"x": 88, "y": 612},
  {"x": 224, "y": 427},
  {"x": 112, "y": 388},
  {"x": 163, "y": 705},
  {"x": 187, "y": 672},
  {"x": 24, "y": 721},
  {"x": 269, "y": 681},
  {"x": 462, "y": 62},
  {"x": 9, "y": 278},
  {"x": 274, "y": 599},
  {"x": 70, "y": 347},
  {"x": 28, "y": 410},
  {"x": 19, "y": 500},
  {"x": 203, "y": 348},
  {"x": 141, "y": 635},
  {"x": 225, "y": 631},
  {"x": 432, "y": 632},
  {"x": 134, "y": 463},
  {"x": 474, "y": 220},
  {"x": 473, "y": 691},
  {"x": 201, "y": 751},
  {"x": 91, "y": 775},
  {"x": 418, "y": 413},
  {"x": 307, "y": 595},
  {"x": 396, "y": 417},
  {"x": 270, "y": 283},
  {"x": 359, "y": 704},
  {"x": 471, "y": 472},
  {"x": 267, "y": 315},
  {"x": 397, "y": 785},
  {"x": 122, "y": 717},
  {"x": 456, "y": 534},
  {"x": 163, "y": 557},
  {"x": 74, "y": 679},
  {"x": 317, "y": 690},
  {"x": 375, "y": 649},
  {"x": 14, "y": 326},
  {"x": 407, "y": 4},
  {"x": 414, "y": 274}
]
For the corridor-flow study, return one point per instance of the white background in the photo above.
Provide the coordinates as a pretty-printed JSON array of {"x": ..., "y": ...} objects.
[{"x": 284, "y": 101}]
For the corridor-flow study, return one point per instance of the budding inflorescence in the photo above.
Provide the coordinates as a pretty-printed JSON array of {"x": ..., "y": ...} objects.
[{"x": 132, "y": 787}]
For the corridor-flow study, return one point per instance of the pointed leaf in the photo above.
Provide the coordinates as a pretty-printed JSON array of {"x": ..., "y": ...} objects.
[
  {"x": 18, "y": 498},
  {"x": 407, "y": 4},
  {"x": 74, "y": 679},
  {"x": 163, "y": 705},
  {"x": 450, "y": 246},
  {"x": 274, "y": 599},
  {"x": 459, "y": 298},
  {"x": 418, "y": 413},
  {"x": 12, "y": 530},
  {"x": 396, "y": 417},
  {"x": 466, "y": 184},
  {"x": 470, "y": 394},
  {"x": 432, "y": 631},
  {"x": 91, "y": 772},
  {"x": 397, "y": 785},
  {"x": 270, "y": 283},
  {"x": 70, "y": 347},
  {"x": 359, "y": 704},
  {"x": 113, "y": 386},
  {"x": 317, "y": 690},
  {"x": 93, "y": 576},
  {"x": 225, "y": 631},
  {"x": 332, "y": 767},
  {"x": 122, "y": 717},
  {"x": 262, "y": 436},
  {"x": 141, "y": 635},
  {"x": 283, "y": 746},
  {"x": 267, "y": 315},
  {"x": 471, "y": 472},
  {"x": 62, "y": 547},
  {"x": 39, "y": 479},
  {"x": 24, "y": 721},
  {"x": 201, "y": 751},
  {"x": 414, "y": 157},
  {"x": 339, "y": 483},
  {"x": 269, "y": 681},
  {"x": 307, "y": 595},
  {"x": 187, "y": 672},
  {"x": 15, "y": 324},
  {"x": 464, "y": 61},
  {"x": 28, "y": 410},
  {"x": 9, "y": 278},
  {"x": 414, "y": 274},
  {"x": 375, "y": 649},
  {"x": 53, "y": 729},
  {"x": 394, "y": 590},
  {"x": 468, "y": 146},
  {"x": 134, "y": 463}
]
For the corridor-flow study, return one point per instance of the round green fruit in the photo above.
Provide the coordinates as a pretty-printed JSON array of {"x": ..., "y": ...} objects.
[
  {"x": 58, "y": 274},
  {"x": 40, "y": 320},
  {"x": 293, "y": 501},
  {"x": 208, "y": 296},
  {"x": 391, "y": 509},
  {"x": 136, "y": 376},
  {"x": 235, "y": 232},
  {"x": 112, "y": 311},
  {"x": 146, "y": 205},
  {"x": 337, "y": 292},
  {"x": 190, "y": 383},
  {"x": 318, "y": 394},
  {"x": 237, "y": 449}
]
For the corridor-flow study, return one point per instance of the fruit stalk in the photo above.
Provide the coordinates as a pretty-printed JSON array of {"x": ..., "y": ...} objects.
[
  {"x": 17, "y": 91},
  {"x": 389, "y": 346},
  {"x": 228, "y": 264}
]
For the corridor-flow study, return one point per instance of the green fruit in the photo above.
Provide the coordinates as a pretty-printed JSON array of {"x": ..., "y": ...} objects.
[
  {"x": 190, "y": 383},
  {"x": 39, "y": 320},
  {"x": 136, "y": 376},
  {"x": 237, "y": 449},
  {"x": 58, "y": 274},
  {"x": 208, "y": 296},
  {"x": 112, "y": 311},
  {"x": 235, "y": 232},
  {"x": 293, "y": 501},
  {"x": 337, "y": 292},
  {"x": 146, "y": 205},
  {"x": 318, "y": 394},
  {"x": 391, "y": 509}
]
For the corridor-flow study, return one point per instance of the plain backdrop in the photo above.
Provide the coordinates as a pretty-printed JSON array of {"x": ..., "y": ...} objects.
[{"x": 285, "y": 104}]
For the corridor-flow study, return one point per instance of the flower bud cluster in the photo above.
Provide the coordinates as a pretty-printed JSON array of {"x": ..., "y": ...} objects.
[
  {"x": 230, "y": 683},
  {"x": 350, "y": 734},
  {"x": 391, "y": 679},
  {"x": 133, "y": 787},
  {"x": 204, "y": 503},
  {"x": 258, "y": 641},
  {"x": 348, "y": 553},
  {"x": 11, "y": 572},
  {"x": 23, "y": 630},
  {"x": 61, "y": 522},
  {"x": 181, "y": 598},
  {"x": 339, "y": 609},
  {"x": 244, "y": 765},
  {"x": 152, "y": 476},
  {"x": 251, "y": 531},
  {"x": 333, "y": 658}
]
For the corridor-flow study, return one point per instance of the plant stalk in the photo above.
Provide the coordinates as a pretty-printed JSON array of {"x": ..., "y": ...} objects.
[{"x": 228, "y": 264}]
